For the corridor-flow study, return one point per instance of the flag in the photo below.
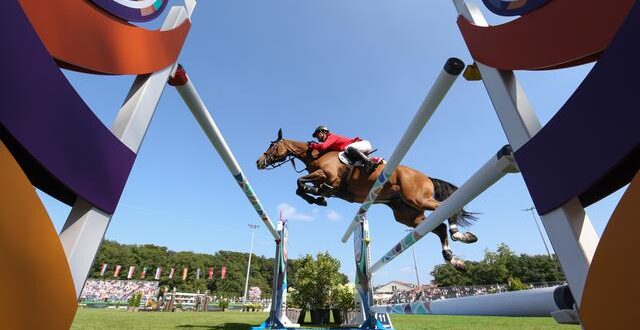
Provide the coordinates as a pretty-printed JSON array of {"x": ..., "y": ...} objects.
[
  {"x": 223, "y": 272},
  {"x": 158, "y": 273},
  {"x": 184, "y": 273},
  {"x": 103, "y": 269},
  {"x": 210, "y": 273},
  {"x": 116, "y": 272},
  {"x": 130, "y": 273},
  {"x": 171, "y": 272},
  {"x": 144, "y": 272},
  {"x": 198, "y": 274}
]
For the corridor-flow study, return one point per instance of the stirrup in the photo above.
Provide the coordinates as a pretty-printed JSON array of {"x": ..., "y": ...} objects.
[{"x": 370, "y": 167}]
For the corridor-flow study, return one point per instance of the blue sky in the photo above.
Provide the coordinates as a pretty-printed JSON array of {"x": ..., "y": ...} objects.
[{"x": 360, "y": 67}]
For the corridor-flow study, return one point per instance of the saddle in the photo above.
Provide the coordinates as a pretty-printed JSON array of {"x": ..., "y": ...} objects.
[{"x": 344, "y": 159}]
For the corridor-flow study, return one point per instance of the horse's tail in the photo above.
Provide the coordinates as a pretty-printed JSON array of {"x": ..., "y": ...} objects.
[{"x": 444, "y": 189}]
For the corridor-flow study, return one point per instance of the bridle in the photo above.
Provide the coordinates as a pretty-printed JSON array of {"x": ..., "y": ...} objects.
[{"x": 273, "y": 163}]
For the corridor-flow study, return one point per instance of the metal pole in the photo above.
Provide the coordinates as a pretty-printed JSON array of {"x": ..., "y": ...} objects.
[
  {"x": 190, "y": 95},
  {"x": 246, "y": 282},
  {"x": 452, "y": 69},
  {"x": 415, "y": 263},
  {"x": 539, "y": 230}
]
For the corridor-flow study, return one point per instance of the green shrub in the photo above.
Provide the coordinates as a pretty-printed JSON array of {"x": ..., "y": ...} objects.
[
  {"x": 294, "y": 299},
  {"x": 315, "y": 279},
  {"x": 515, "y": 284},
  {"x": 343, "y": 297}
]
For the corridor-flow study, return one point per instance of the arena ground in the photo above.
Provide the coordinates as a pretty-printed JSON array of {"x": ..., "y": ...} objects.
[{"x": 110, "y": 319}]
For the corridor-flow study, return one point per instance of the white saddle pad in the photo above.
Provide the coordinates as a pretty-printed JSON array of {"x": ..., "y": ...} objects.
[{"x": 345, "y": 160}]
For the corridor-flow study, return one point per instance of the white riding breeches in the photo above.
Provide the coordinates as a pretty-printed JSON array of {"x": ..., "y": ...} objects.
[{"x": 363, "y": 145}]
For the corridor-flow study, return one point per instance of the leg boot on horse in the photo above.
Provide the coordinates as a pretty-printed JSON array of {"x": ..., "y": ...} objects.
[{"x": 304, "y": 193}]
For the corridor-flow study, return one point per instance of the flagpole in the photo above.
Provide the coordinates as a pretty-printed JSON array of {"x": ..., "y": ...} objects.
[{"x": 246, "y": 282}]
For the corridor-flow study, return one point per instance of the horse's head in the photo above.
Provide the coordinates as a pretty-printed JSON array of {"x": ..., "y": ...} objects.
[{"x": 277, "y": 152}]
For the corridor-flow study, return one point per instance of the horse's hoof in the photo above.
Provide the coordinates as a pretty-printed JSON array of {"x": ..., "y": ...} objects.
[
  {"x": 465, "y": 237},
  {"x": 321, "y": 201},
  {"x": 458, "y": 264},
  {"x": 447, "y": 255}
]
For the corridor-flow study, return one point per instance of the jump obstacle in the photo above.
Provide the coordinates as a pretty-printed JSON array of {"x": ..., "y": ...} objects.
[
  {"x": 567, "y": 226},
  {"x": 277, "y": 317}
]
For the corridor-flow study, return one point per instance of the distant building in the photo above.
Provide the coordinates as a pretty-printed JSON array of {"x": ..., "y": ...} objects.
[{"x": 385, "y": 291}]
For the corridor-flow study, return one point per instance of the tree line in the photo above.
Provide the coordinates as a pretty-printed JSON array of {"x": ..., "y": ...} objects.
[
  {"x": 501, "y": 266},
  {"x": 498, "y": 266},
  {"x": 153, "y": 256}
]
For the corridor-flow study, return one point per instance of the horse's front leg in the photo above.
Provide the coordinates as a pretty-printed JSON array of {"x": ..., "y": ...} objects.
[
  {"x": 310, "y": 199},
  {"x": 304, "y": 190}
]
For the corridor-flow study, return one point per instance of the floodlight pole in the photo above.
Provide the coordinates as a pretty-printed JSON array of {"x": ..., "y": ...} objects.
[
  {"x": 415, "y": 263},
  {"x": 539, "y": 230},
  {"x": 246, "y": 282}
]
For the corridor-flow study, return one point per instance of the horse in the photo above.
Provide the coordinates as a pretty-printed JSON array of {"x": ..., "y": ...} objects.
[{"x": 409, "y": 193}]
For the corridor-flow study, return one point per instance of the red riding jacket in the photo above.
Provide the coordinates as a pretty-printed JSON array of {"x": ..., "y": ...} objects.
[{"x": 334, "y": 142}]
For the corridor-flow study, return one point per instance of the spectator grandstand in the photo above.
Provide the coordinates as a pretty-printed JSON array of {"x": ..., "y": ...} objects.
[
  {"x": 429, "y": 292},
  {"x": 115, "y": 291}
]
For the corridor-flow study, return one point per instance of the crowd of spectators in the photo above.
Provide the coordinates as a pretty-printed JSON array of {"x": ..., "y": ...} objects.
[
  {"x": 117, "y": 291},
  {"x": 429, "y": 292}
]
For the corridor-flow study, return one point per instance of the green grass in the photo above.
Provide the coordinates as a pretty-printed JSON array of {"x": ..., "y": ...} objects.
[{"x": 110, "y": 320}]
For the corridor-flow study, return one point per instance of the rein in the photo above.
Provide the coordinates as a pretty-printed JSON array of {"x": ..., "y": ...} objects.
[{"x": 290, "y": 158}]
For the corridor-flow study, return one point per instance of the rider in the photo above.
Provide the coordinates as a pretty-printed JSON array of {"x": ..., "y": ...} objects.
[{"x": 355, "y": 148}]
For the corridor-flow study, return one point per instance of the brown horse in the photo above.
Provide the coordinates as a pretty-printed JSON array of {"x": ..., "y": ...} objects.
[{"x": 409, "y": 193}]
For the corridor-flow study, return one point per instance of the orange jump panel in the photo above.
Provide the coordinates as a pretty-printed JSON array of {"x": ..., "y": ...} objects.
[
  {"x": 38, "y": 291},
  {"x": 86, "y": 38},
  {"x": 562, "y": 33},
  {"x": 612, "y": 289}
]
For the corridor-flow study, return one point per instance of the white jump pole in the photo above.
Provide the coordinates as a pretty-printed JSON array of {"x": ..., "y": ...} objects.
[
  {"x": 452, "y": 69},
  {"x": 499, "y": 165},
  {"x": 534, "y": 302},
  {"x": 190, "y": 95}
]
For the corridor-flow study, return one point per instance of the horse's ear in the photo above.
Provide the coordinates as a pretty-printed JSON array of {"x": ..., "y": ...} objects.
[{"x": 279, "y": 135}]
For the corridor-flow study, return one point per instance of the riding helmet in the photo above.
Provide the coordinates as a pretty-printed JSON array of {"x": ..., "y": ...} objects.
[{"x": 319, "y": 129}]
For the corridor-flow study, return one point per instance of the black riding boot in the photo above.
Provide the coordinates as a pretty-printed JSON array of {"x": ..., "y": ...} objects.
[{"x": 356, "y": 154}]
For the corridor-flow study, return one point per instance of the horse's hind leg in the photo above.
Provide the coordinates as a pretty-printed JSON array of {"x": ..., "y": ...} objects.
[
  {"x": 431, "y": 204},
  {"x": 464, "y": 237},
  {"x": 412, "y": 217},
  {"x": 441, "y": 232}
]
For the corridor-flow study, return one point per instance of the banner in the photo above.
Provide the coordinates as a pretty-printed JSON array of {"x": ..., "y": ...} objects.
[
  {"x": 198, "y": 274},
  {"x": 144, "y": 272},
  {"x": 103, "y": 269},
  {"x": 211, "y": 273},
  {"x": 223, "y": 272},
  {"x": 158, "y": 273},
  {"x": 171, "y": 272},
  {"x": 130, "y": 273},
  {"x": 184, "y": 273},
  {"x": 116, "y": 272}
]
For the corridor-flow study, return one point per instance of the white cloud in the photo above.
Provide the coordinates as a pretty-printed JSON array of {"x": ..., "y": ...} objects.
[
  {"x": 290, "y": 213},
  {"x": 406, "y": 270},
  {"x": 333, "y": 215}
]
